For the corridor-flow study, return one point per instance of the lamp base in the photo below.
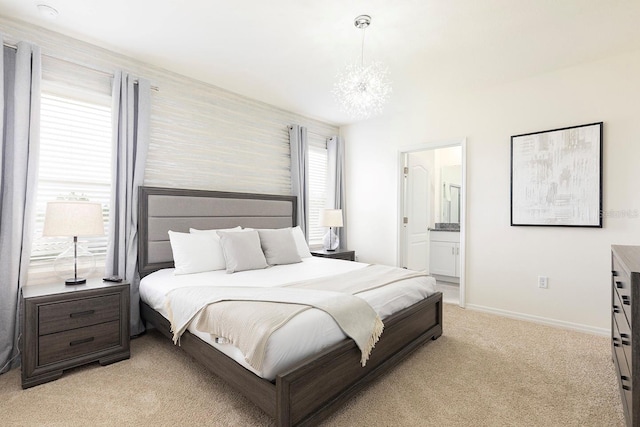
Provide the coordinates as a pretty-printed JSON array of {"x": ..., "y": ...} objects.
[
  {"x": 75, "y": 264},
  {"x": 330, "y": 241}
]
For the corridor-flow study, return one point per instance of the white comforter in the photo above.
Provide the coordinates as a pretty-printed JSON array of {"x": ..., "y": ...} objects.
[{"x": 306, "y": 334}]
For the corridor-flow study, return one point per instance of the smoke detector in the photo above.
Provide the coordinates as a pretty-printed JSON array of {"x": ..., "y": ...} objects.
[{"x": 47, "y": 11}]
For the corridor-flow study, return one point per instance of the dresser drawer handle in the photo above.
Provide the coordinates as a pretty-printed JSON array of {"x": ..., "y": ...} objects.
[
  {"x": 625, "y": 341},
  {"x": 619, "y": 285},
  {"x": 625, "y": 300},
  {"x": 82, "y": 341},
  {"x": 616, "y": 309},
  {"x": 82, "y": 313},
  {"x": 626, "y": 387},
  {"x": 614, "y": 273}
]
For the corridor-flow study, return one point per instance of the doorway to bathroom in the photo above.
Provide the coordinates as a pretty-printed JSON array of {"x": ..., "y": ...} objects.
[{"x": 432, "y": 212}]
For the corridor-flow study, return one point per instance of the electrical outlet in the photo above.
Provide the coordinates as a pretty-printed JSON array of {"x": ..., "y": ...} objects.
[{"x": 543, "y": 282}]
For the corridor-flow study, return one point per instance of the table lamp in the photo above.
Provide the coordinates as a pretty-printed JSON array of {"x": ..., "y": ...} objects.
[
  {"x": 73, "y": 219},
  {"x": 331, "y": 218}
]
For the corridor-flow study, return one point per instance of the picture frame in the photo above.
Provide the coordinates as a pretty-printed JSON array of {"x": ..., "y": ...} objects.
[{"x": 556, "y": 177}]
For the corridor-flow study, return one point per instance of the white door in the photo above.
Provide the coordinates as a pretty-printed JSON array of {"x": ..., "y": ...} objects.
[{"x": 417, "y": 212}]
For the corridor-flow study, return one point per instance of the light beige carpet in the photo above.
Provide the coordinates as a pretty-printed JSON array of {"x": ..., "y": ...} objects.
[{"x": 484, "y": 371}]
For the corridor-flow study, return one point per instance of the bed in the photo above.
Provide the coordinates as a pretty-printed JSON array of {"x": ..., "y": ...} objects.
[{"x": 306, "y": 391}]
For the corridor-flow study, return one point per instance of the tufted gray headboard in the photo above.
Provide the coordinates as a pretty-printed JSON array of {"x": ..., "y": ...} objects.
[{"x": 164, "y": 209}]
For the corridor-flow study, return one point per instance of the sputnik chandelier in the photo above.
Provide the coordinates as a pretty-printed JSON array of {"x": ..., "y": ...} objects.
[{"x": 362, "y": 90}]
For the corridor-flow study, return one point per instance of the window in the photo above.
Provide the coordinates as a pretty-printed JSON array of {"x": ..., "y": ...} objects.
[
  {"x": 317, "y": 188},
  {"x": 74, "y": 163}
]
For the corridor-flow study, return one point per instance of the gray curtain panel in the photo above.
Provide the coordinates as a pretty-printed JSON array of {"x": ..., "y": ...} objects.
[
  {"x": 131, "y": 117},
  {"x": 299, "y": 146},
  {"x": 336, "y": 187},
  {"x": 19, "y": 129}
]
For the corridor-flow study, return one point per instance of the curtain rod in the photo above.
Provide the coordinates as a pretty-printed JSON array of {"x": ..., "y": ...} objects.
[
  {"x": 317, "y": 134},
  {"x": 87, "y": 67}
]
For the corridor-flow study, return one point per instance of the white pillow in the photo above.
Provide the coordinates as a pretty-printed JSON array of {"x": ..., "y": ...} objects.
[
  {"x": 192, "y": 252},
  {"x": 216, "y": 252},
  {"x": 278, "y": 246},
  {"x": 301, "y": 242},
  {"x": 215, "y": 232},
  {"x": 242, "y": 251}
]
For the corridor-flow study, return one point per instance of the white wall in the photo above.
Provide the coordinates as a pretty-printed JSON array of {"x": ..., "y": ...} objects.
[{"x": 503, "y": 262}]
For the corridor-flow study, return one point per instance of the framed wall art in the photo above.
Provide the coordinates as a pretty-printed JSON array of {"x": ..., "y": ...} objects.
[{"x": 556, "y": 177}]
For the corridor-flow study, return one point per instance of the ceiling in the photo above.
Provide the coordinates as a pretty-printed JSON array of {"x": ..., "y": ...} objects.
[{"x": 287, "y": 52}]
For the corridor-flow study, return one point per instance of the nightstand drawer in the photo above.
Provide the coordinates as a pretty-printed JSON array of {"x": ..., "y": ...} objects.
[
  {"x": 77, "y": 342},
  {"x": 63, "y": 316}
]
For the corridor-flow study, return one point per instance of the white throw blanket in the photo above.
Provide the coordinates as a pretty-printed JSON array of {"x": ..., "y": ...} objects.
[
  {"x": 355, "y": 317},
  {"x": 248, "y": 316}
]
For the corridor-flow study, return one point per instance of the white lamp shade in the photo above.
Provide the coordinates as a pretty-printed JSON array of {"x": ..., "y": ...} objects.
[
  {"x": 331, "y": 218},
  {"x": 73, "y": 218}
]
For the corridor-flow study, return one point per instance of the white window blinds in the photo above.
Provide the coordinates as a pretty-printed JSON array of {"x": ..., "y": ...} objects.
[
  {"x": 317, "y": 187},
  {"x": 75, "y": 158}
]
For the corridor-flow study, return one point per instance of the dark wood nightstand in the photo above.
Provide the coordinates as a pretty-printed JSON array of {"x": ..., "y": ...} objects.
[
  {"x": 68, "y": 326},
  {"x": 337, "y": 254}
]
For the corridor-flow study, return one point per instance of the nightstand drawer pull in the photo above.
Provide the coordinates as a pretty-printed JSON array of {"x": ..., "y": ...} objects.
[
  {"x": 625, "y": 300},
  {"x": 82, "y": 341},
  {"x": 616, "y": 309},
  {"x": 82, "y": 313},
  {"x": 626, "y": 387}
]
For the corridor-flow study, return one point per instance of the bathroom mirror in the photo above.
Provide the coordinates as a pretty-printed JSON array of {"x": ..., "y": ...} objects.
[
  {"x": 451, "y": 205},
  {"x": 450, "y": 188}
]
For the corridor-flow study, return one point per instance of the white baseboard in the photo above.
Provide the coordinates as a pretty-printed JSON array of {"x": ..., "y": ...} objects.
[{"x": 541, "y": 320}]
